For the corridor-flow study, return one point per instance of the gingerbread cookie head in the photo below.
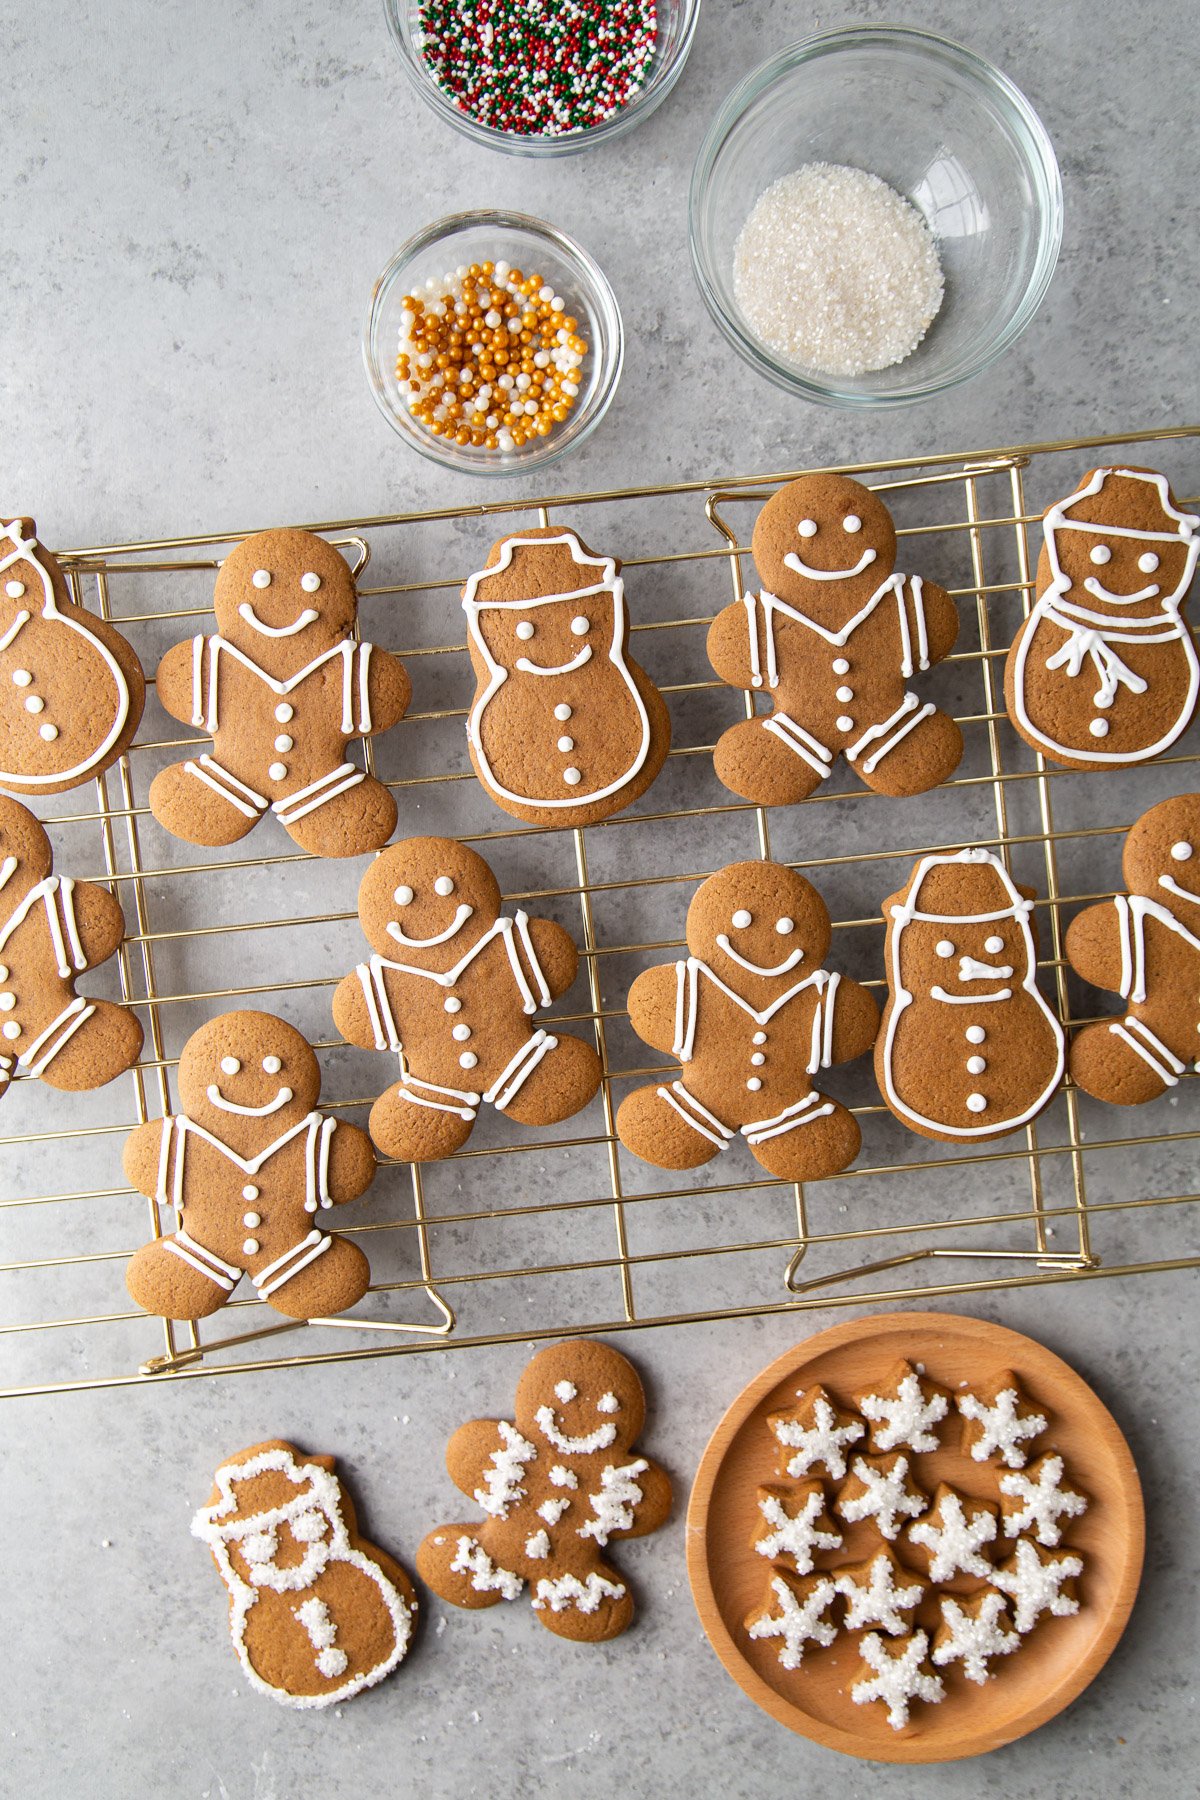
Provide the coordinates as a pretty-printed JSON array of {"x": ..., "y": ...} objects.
[
  {"x": 247, "y": 1074},
  {"x": 1162, "y": 857},
  {"x": 513, "y": 604},
  {"x": 579, "y": 1398},
  {"x": 428, "y": 901},
  {"x": 1119, "y": 544},
  {"x": 966, "y": 923},
  {"x": 274, "y": 1515},
  {"x": 756, "y": 924},
  {"x": 826, "y": 543},
  {"x": 284, "y": 597},
  {"x": 25, "y": 854}
]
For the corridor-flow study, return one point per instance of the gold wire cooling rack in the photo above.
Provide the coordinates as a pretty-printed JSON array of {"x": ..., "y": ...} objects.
[{"x": 527, "y": 1235}]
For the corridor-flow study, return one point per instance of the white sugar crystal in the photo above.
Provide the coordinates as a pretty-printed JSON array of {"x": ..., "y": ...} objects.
[{"x": 835, "y": 270}]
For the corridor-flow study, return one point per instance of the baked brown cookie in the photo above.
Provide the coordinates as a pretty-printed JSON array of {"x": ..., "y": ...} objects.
[
  {"x": 451, "y": 991},
  {"x": 1103, "y": 672},
  {"x": 832, "y": 640},
  {"x": 953, "y": 1537},
  {"x": 968, "y": 1047},
  {"x": 247, "y": 1162},
  {"x": 52, "y": 931},
  {"x": 316, "y": 1613},
  {"x": 1000, "y": 1420},
  {"x": 281, "y": 689},
  {"x": 1145, "y": 946},
  {"x": 71, "y": 687},
  {"x": 752, "y": 1016},
  {"x": 565, "y": 728},
  {"x": 557, "y": 1486}
]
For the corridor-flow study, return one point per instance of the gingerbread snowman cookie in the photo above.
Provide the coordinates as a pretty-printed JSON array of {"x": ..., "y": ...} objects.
[
  {"x": 1144, "y": 946},
  {"x": 752, "y": 1016},
  {"x": 565, "y": 728},
  {"x": 968, "y": 1047},
  {"x": 832, "y": 640},
  {"x": 451, "y": 990},
  {"x": 71, "y": 688},
  {"x": 316, "y": 1613},
  {"x": 248, "y": 1163},
  {"x": 1103, "y": 672},
  {"x": 281, "y": 689},
  {"x": 557, "y": 1486},
  {"x": 52, "y": 931}
]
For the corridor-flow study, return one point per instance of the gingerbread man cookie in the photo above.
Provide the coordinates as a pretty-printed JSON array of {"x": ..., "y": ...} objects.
[
  {"x": 752, "y": 1016},
  {"x": 71, "y": 688},
  {"x": 968, "y": 1047},
  {"x": 316, "y": 1613},
  {"x": 565, "y": 728},
  {"x": 1103, "y": 672},
  {"x": 451, "y": 991},
  {"x": 281, "y": 689},
  {"x": 833, "y": 639},
  {"x": 52, "y": 930},
  {"x": 247, "y": 1163},
  {"x": 556, "y": 1486},
  {"x": 1144, "y": 946}
]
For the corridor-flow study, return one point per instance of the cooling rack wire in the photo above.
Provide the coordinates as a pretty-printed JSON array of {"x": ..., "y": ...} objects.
[{"x": 529, "y": 1235}]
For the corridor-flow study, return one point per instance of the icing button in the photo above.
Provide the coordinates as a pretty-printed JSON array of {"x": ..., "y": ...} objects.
[
  {"x": 1099, "y": 727},
  {"x": 840, "y": 666},
  {"x": 22, "y": 677},
  {"x": 35, "y": 704},
  {"x": 283, "y": 712},
  {"x": 49, "y": 732},
  {"x": 452, "y": 1003},
  {"x": 250, "y": 1247},
  {"x": 12, "y": 1029},
  {"x": 562, "y": 711},
  {"x": 467, "y": 1060},
  {"x": 250, "y": 1192},
  {"x": 572, "y": 777},
  {"x": 845, "y": 693},
  {"x": 277, "y": 771},
  {"x": 976, "y": 1103},
  {"x": 975, "y": 1034},
  {"x": 461, "y": 1033},
  {"x": 3, "y": 973},
  {"x": 845, "y": 723},
  {"x": 754, "y": 1084},
  {"x": 251, "y": 1220},
  {"x": 566, "y": 743},
  {"x": 285, "y": 743},
  {"x": 758, "y": 1059},
  {"x": 976, "y": 1065},
  {"x": 760, "y": 1037}
]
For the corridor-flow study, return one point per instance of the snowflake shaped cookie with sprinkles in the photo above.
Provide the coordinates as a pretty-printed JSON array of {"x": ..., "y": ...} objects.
[
  {"x": 795, "y": 1525},
  {"x": 1000, "y": 1420},
  {"x": 1039, "y": 1581},
  {"x": 972, "y": 1631},
  {"x": 953, "y": 1533},
  {"x": 898, "y": 1675},
  {"x": 881, "y": 1489},
  {"x": 556, "y": 1485},
  {"x": 795, "y": 1613},
  {"x": 814, "y": 1435},
  {"x": 1036, "y": 1501},
  {"x": 879, "y": 1592},
  {"x": 904, "y": 1409}
]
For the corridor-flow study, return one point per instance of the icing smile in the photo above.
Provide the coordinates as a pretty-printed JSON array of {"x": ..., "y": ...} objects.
[
  {"x": 299, "y": 623},
  {"x": 600, "y": 1439},
  {"x": 531, "y": 668},
  {"x": 251, "y": 1112},
  {"x": 1100, "y": 592},
  {"x": 792, "y": 561},
  {"x": 462, "y": 914},
  {"x": 779, "y": 968},
  {"x": 1173, "y": 887}
]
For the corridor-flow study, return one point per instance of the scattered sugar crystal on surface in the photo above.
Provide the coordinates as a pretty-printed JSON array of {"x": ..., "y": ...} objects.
[{"x": 836, "y": 271}]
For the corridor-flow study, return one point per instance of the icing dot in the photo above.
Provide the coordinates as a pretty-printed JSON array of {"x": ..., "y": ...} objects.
[
  {"x": 283, "y": 712},
  {"x": 758, "y": 1059},
  {"x": 403, "y": 896},
  {"x": 976, "y": 1103},
  {"x": 310, "y": 582},
  {"x": 566, "y": 743},
  {"x": 785, "y": 926},
  {"x": 249, "y": 1192},
  {"x": 7, "y": 1002},
  {"x": 284, "y": 742},
  {"x": 277, "y": 771},
  {"x": 525, "y": 630},
  {"x": 452, "y": 1003},
  {"x": 840, "y": 666},
  {"x": 251, "y": 1219},
  {"x": 1148, "y": 563},
  {"x": 443, "y": 886},
  {"x": 1181, "y": 851},
  {"x": 760, "y": 1037},
  {"x": 271, "y": 1065},
  {"x": 754, "y": 1084},
  {"x": 461, "y": 1033},
  {"x": 993, "y": 945},
  {"x": 807, "y": 528},
  {"x": 14, "y": 589},
  {"x": 844, "y": 694},
  {"x": 22, "y": 677},
  {"x": 12, "y": 1029},
  {"x": 49, "y": 732},
  {"x": 976, "y": 1034},
  {"x": 1101, "y": 554},
  {"x": 3, "y": 973},
  {"x": 851, "y": 523},
  {"x": 572, "y": 777},
  {"x": 250, "y": 1247},
  {"x": 467, "y": 1060},
  {"x": 742, "y": 918},
  {"x": 562, "y": 710},
  {"x": 945, "y": 948},
  {"x": 261, "y": 578},
  {"x": 35, "y": 704},
  {"x": 1099, "y": 727},
  {"x": 976, "y": 1065},
  {"x": 230, "y": 1065},
  {"x": 845, "y": 723},
  {"x": 580, "y": 625},
  {"x": 565, "y": 1390}
]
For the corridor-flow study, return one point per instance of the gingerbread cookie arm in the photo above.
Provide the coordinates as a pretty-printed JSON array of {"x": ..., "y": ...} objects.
[
  {"x": 729, "y": 644},
  {"x": 389, "y": 690},
  {"x": 350, "y": 1012},
  {"x": 1094, "y": 946},
  {"x": 174, "y": 680},
  {"x": 555, "y": 951},
  {"x": 142, "y": 1155},
  {"x": 470, "y": 1453},
  {"x": 652, "y": 1006},
  {"x": 941, "y": 618},
  {"x": 855, "y": 1021},
  {"x": 351, "y": 1163},
  {"x": 99, "y": 921},
  {"x": 654, "y": 1508}
]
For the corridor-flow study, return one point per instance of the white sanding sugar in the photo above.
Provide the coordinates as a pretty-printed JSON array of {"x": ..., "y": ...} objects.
[{"x": 836, "y": 270}]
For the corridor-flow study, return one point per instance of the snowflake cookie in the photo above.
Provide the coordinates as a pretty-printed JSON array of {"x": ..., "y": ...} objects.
[
  {"x": 879, "y": 1592},
  {"x": 795, "y": 1613},
  {"x": 973, "y": 1629},
  {"x": 903, "y": 1409},
  {"x": 881, "y": 1489},
  {"x": 950, "y": 1539},
  {"x": 1000, "y": 1420},
  {"x": 1035, "y": 1500},
  {"x": 898, "y": 1674},
  {"x": 795, "y": 1525},
  {"x": 1038, "y": 1581},
  {"x": 815, "y": 1434}
]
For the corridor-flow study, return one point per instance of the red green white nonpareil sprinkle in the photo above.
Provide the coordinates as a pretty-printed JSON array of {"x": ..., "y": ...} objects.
[{"x": 539, "y": 68}]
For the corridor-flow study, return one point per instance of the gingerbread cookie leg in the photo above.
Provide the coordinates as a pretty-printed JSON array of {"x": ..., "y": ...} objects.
[
  {"x": 312, "y": 1281},
  {"x": 202, "y": 803},
  {"x": 1122, "y": 1063},
  {"x": 771, "y": 761},
  {"x": 914, "y": 750},
  {"x": 175, "y": 1278},
  {"x": 559, "y": 1082},
  {"x": 108, "y": 1042},
  {"x": 413, "y": 1122},
  {"x": 817, "y": 1138},
  {"x": 667, "y": 1127},
  {"x": 348, "y": 814}
]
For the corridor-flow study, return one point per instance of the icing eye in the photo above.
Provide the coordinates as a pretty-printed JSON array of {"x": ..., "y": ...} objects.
[
  {"x": 1101, "y": 554},
  {"x": 14, "y": 589},
  {"x": 785, "y": 926},
  {"x": 580, "y": 625},
  {"x": 565, "y": 1390},
  {"x": 230, "y": 1065},
  {"x": 271, "y": 1065},
  {"x": 525, "y": 630},
  {"x": 852, "y": 523},
  {"x": 261, "y": 578},
  {"x": 403, "y": 896},
  {"x": 1148, "y": 563},
  {"x": 807, "y": 528},
  {"x": 945, "y": 948},
  {"x": 608, "y": 1403},
  {"x": 1181, "y": 851},
  {"x": 259, "y": 1547},
  {"x": 741, "y": 918},
  {"x": 310, "y": 582},
  {"x": 993, "y": 945},
  {"x": 443, "y": 886}
]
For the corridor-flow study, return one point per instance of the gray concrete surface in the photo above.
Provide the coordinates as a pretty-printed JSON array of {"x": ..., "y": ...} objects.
[{"x": 197, "y": 202}]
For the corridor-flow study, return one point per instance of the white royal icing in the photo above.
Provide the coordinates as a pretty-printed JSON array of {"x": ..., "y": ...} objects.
[
  {"x": 823, "y": 1441},
  {"x": 505, "y": 1472},
  {"x": 897, "y": 1679},
  {"x": 1043, "y": 1501},
  {"x": 878, "y": 1600},
  {"x": 613, "y": 1506},
  {"x": 972, "y": 1641},
  {"x": 905, "y": 1417},
  {"x": 885, "y": 1498},
  {"x": 586, "y": 1445},
  {"x": 797, "y": 1534},
  {"x": 955, "y": 1544},
  {"x": 797, "y": 1622},
  {"x": 1001, "y": 1430},
  {"x": 1034, "y": 1586},
  {"x": 487, "y": 1577},
  {"x": 567, "y": 1590}
]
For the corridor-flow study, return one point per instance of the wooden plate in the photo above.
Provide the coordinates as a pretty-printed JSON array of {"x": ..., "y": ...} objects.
[{"x": 1058, "y": 1658}]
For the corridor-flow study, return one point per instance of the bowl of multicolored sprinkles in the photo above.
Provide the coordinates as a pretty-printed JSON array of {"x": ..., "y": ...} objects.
[{"x": 543, "y": 77}]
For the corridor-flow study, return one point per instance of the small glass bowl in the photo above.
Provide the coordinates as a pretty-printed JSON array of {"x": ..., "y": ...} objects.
[
  {"x": 943, "y": 128},
  {"x": 533, "y": 247},
  {"x": 676, "y": 29}
]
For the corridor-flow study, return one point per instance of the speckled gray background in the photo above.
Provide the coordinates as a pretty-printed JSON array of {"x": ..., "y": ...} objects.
[{"x": 198, "y": 199}]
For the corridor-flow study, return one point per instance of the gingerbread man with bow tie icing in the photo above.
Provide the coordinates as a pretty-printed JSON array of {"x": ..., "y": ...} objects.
[
  {"x": 281, "y": 688},
  {"x": 752, "y": 1017},
  {"x": 832, "y": 640},
  {"x": 1103, "y": 672}
]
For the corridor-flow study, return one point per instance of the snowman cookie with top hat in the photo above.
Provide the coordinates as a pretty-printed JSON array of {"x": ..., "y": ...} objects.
[
  {"x": 281, "y": 689},
  {"x": 832, "y": 640},
  {"x": 1103, "y": 672}
]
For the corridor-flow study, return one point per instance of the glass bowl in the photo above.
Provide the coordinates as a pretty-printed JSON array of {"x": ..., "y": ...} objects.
[
  {"x": 676, "y": 29},
  {"x": 533, "y": 247},
  {"x": 943, "y": 128}
]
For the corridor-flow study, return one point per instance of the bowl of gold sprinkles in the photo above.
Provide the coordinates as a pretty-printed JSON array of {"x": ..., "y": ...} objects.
[
  {"x": 493, "y": 343},
  {"x": 543, "y": 77},
  {"x": 875, "y": 216}
]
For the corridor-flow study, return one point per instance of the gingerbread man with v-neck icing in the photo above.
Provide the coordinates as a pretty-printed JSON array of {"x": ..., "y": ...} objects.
[
  {"x": 282, "y": 688},
  {"x": 451, "y": 991},
  {"x": 752, "y": 1016},
  {"x": 250, "y": 1166},
  {"x": 832, "y": 640}
]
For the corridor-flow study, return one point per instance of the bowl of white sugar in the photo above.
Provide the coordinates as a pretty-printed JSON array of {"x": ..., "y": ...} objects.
[{"x": 875, "y": 216}]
